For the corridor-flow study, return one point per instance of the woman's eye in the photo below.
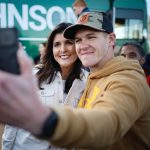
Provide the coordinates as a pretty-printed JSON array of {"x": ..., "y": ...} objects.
[
  {"x": 77, "y": 40},
  {"x": 56, "y": 44}
]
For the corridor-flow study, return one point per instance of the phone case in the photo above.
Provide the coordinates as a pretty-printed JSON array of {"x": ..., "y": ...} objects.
[{"x": 8, "y": 50}]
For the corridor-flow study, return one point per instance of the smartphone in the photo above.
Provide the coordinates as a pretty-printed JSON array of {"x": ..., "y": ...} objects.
[{"x": 8, "y": 50}]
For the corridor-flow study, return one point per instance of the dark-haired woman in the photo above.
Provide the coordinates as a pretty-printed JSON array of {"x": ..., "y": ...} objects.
[{"x": 61, "y": 82}]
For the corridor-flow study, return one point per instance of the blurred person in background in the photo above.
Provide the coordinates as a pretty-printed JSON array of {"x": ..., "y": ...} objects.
[
  {"x": 61, "y": 82},
  {"x": 41, "y": 49},
  {"x": 132, "y": 50},
  {"x": 36, "y": 59},
  {"x": 79, "y": 7},
  {"x": 135, "y": 51}
]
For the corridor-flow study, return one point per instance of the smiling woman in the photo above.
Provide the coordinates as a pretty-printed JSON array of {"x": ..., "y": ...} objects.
[{"x": 64, "y": 53}]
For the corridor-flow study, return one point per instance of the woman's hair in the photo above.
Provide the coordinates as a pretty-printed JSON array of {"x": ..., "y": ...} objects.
[{"x": 49, "y": 68}]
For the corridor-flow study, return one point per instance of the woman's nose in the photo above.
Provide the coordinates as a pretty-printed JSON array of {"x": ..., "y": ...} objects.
[{"x": 63, "y": 48}]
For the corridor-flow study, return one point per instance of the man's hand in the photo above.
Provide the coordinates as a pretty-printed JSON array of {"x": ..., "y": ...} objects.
[{"x": 19, "y": 101}]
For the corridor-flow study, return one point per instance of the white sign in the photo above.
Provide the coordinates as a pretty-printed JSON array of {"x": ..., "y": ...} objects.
[{"x": 36, "y": 17}]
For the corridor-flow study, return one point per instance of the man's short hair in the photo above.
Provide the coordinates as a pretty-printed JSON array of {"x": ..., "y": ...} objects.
[{"x": 138, "y": 47}]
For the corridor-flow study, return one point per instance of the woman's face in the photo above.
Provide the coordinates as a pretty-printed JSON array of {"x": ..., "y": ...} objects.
[{"x": 64, "y": 51}]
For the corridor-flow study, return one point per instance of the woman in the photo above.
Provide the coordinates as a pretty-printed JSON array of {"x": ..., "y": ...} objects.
[{"x": 61, "y": 82}]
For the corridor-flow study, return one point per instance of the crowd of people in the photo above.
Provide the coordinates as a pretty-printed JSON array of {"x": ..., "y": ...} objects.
[{"x": 58, "y": 104}]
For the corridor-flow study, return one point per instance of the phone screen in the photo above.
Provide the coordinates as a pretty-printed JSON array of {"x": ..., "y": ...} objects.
[{"x": 8, "y": 50}]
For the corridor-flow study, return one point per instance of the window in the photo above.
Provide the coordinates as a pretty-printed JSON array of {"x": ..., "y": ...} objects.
[{"x": 128, "y": 28}]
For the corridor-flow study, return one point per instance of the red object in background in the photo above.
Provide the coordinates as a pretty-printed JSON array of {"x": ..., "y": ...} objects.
[
  {"x": 148, "y": 80},
  {"x": 146, "y": 67}
]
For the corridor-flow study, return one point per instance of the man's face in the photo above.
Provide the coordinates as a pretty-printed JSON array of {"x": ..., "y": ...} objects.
[
  {"x": 93, "y": 47},
  {"x": 77, "y": 10},
  {"x": 131, "y": 52}
]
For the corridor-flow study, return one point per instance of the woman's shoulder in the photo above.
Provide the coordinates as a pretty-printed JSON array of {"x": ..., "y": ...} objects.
[
  {"x": 36, "y": 68},
  {"x": 39, "y": 66},
  {"x": 84, "y": 73}
]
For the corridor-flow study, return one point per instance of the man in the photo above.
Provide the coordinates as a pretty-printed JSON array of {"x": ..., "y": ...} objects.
[
  {"x": 133, "y": 51},
  {"x": 79, "y": 7},
  {"x": 114, "y": 111}
]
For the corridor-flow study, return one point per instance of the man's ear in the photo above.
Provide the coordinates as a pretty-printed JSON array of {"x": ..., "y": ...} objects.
[
  {"x": 142, "y": 61},
  {"x": 112, "y": 39}
]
